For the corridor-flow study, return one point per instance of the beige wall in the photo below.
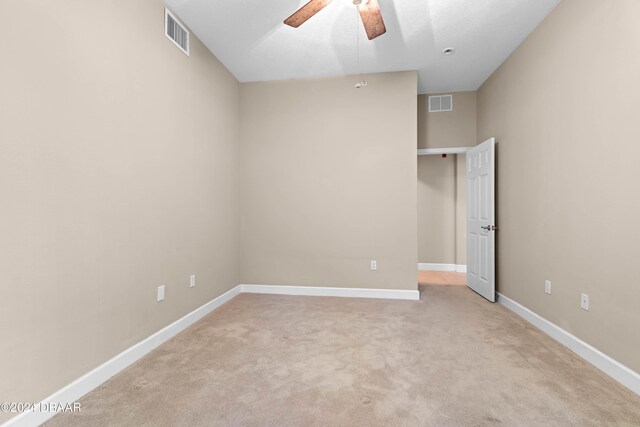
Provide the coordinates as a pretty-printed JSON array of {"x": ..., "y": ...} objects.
[
  {"x": 461, "y": 210},
  {"x": 564, "y": 109},
  {"x": 455, "y": 128},
  {"x": 119, "y": 158},
  {"x": 442, "y": 209},
  {"x": 329, "y": 182},
  {"x": 437, "y": 209}
]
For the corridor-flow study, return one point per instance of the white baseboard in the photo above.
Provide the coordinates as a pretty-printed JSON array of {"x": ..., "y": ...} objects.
[
  {"x": 89, "y": 381},
  {"x": 459, "y": 268},
  {"x": 616, "y": 370},
  {"x": 332, "y": 292}
]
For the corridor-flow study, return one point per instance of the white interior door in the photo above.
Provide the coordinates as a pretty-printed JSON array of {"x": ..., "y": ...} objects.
[{"x": 481, "y": 257}]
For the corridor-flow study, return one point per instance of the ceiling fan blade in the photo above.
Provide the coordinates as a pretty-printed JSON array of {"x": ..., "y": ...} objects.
[
  {"x": 372, "y": 18},
  {"x": 306, "y": 12}
]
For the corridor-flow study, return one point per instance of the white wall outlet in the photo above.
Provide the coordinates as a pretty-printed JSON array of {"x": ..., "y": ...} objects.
[
  {"x": 374, "y": 264},
  {"x": 547, "y": 286},
  {"x": 192, "y": 280},
  {"x": 584, "y": 302},
  {"x": 160, "y": 293}
]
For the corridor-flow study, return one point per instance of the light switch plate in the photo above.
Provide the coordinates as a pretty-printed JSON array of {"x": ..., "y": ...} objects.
[
  {"x": 160, "y": 293},
  {"x": 584, "y": 302},
  {"x": 192, "y": 280}
]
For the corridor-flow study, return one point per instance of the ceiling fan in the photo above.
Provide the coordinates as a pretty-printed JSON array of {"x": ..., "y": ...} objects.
[{"x": 369, "y": 13}]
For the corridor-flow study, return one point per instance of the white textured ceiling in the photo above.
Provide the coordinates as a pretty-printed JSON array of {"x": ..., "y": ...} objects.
[{"x": 248, "y": 36}]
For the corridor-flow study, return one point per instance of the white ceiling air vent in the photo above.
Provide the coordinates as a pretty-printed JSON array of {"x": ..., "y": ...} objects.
[
  {"x": 176, "y": 32},
  {"x": 440, "y": 103}
]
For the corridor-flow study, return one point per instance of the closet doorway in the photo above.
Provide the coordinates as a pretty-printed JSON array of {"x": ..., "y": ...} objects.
[
  {"x": 456, "y": 217},
  {"x": 442, "y": 209}
]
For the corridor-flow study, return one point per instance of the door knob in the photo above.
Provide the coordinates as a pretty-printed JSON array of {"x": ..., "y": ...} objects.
[{"x": 490, "y": 228}]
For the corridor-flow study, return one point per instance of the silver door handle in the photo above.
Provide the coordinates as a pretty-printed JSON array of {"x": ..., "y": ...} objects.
[{"x": 490, "y": 228}]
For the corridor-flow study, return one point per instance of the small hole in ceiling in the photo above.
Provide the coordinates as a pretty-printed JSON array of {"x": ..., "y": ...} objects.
[{"x": 449, "y": 51}]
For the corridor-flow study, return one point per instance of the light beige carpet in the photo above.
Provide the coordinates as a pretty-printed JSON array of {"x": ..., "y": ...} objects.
[{"x": 451, "y": 359}]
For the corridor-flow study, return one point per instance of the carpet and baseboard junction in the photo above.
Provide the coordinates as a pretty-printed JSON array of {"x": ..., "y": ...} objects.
[{"x": 449, "y": 358}]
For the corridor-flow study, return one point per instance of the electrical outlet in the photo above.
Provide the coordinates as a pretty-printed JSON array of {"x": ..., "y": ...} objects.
[
  {"x": 374, "y": 264},
  {"x": 160, "y": 293},
  {"x": 192, "y": 280},
  {"x": 584, "y": 302},
  {"x": 547, "y": 286}
]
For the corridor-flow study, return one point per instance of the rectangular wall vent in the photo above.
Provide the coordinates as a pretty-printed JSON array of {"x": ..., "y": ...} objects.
[
  {"x": 440, "y": 103},
  {"x": 176, "y": 32}
]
